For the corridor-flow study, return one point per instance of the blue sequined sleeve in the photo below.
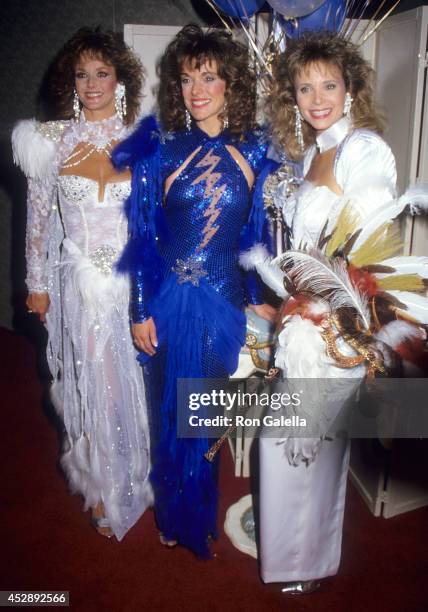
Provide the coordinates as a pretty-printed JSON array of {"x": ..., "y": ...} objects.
[
  {"x": 140, "y": 259},
  {"x": 256, "y": 230}
]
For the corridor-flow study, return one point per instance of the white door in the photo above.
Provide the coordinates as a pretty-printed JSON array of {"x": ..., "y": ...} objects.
[{"x": 149, "y": 42}]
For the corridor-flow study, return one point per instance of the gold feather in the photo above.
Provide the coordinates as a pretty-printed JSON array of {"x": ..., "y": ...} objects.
[
  {"x": 402, "y": 282},
  {"x": 346, "y": 224},
  {"x": 381, "y": 244}
]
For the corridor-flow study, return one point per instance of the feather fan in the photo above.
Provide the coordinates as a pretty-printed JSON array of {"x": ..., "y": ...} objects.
[{"x": 313, "y": 273}]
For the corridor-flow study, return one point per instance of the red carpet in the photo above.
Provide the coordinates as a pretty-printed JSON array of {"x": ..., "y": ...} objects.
[{"x": 48, "y": 543}]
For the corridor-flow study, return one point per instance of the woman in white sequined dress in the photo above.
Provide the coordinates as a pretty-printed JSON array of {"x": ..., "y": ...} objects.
[{"x": 76, "y": 229}]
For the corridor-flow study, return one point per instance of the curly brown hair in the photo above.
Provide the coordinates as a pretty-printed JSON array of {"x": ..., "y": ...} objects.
[
  {"x": 192, "y": 45},
  {"x": 108, "y": 46},
  {"x": 312, "y": 48}
]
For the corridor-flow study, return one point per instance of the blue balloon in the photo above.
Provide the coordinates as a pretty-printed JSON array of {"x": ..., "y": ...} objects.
[
  {"x": 239, "y": 8},
  {"x": 329, "y": 16}
]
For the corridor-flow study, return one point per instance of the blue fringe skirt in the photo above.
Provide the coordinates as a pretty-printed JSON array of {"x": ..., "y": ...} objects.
[{"x": 200, "y": 335}]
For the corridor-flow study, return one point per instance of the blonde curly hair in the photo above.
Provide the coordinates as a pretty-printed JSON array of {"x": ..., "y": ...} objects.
[{"x": 313, "y": 48}]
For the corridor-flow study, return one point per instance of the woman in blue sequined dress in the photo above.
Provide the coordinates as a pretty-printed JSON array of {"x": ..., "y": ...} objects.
[{"x": 189, "y": 216}]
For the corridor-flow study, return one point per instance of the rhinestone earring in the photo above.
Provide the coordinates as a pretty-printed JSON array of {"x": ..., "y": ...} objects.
[
  {"x": 76, "y": 106},
  {"x": 226, "y": 118},
  {"x": 298, "y": 128},
  {"x": 120, "y": 100},
  {"x": 188, "y": 119},
  {"x": 347, "y": 105}
]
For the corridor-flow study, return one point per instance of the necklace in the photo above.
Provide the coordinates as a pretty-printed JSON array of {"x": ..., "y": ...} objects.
[
  {"x": 93, "y": 136},
  {"x": 86, "y": 152}
]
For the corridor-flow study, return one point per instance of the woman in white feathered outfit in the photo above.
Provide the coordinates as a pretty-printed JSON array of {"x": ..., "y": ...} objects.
[
  {"x": 322, "y": 104},
  {"x": 76, "y": 229}
]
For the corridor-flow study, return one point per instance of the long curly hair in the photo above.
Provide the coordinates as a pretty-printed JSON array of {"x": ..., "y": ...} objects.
[
  {"x": 192, "y": 45},
  {"x": 313, "y": 48},
  {"x": 108, "y": 46}
]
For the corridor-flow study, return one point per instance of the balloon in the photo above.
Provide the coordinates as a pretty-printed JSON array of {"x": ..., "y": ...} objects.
[
  {"x": 329, "y": 16},
  {"x": 295, "y": 8},
  {"x": 239, "y": 8}
]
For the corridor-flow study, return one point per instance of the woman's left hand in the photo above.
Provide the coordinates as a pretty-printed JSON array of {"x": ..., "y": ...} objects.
[{"x": 265, "y": 311}]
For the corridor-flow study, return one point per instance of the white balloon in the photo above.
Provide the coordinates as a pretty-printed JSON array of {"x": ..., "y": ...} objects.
[{"x": 295, "y": 8}]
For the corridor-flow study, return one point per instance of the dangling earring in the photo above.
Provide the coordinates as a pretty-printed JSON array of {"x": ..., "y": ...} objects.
[
  {"x": 120, "y": 100},
  {"x": 76, "y": 106},
  {"x": 347, "y": 105},
  {"x": 226, "y": 118},
  {"x": 298, "y": 128},
  {"x": 188, "y": 120}
]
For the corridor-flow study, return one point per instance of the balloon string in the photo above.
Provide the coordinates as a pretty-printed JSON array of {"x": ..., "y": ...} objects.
[
  {"x": 356, "y": 21},
  {"x": 375, "y": 14},
  {"x": 219, "y": 15},
  {"x": 348, "y": 11},
  {"x": 379, "y": 23}
]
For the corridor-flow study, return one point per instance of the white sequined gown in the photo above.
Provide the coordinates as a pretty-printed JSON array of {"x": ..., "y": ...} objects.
[
  {"x": 301, "y": 507},
  {"x": 73, "y": 239}
]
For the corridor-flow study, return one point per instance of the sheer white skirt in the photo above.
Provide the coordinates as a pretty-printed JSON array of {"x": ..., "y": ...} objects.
[{"x": 98, "y": 389}]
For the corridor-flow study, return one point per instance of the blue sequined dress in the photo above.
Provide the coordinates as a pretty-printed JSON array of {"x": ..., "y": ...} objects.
[{"x": 183, "y": 255}]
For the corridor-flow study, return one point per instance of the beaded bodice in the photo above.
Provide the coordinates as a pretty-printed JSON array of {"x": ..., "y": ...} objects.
[{"x": 90, "y": 224}]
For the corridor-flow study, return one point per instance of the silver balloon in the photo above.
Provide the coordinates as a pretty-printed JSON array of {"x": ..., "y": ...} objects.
[{"x": 295, "y": 8}]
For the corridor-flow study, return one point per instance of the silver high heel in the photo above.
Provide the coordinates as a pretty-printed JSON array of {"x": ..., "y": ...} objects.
[
  {"x": 168, "y": 543},
  {"x": 301, "y": 587},
  {"x": 102, "y": 525}
]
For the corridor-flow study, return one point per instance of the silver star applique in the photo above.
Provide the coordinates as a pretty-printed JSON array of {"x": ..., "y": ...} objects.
[{"x": 189, "y": 271}]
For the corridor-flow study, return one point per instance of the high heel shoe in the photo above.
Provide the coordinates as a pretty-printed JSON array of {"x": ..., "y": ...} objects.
[
  {"x": 300, "y": 587},
  {"x": 168, "y": 543},
  {"x": 102, "y": 526},
  {"x": 101, "y": 522}
]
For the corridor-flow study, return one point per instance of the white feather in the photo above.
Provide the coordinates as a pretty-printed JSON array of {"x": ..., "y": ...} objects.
[
  {"x": 259, "y": 258},
  {"x": 99, "y": 292},
  {"x": 385, "y": 213},
  {"x": 314, "y": 273},
  {"x": 289, "y": 357},
  {"x": 32, "y": 152},
  {"x": 406, "y": 265},
  {"x": 415, "y": 305},
  {"x": 417, "y": 199},
  {"x": 395, "y": 332}
]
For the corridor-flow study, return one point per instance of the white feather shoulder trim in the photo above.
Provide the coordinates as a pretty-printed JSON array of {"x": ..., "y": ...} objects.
[{"x": 34, "y": 146}]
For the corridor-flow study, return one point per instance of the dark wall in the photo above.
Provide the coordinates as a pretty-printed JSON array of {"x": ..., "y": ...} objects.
[{"x": 31, "y": 32}]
